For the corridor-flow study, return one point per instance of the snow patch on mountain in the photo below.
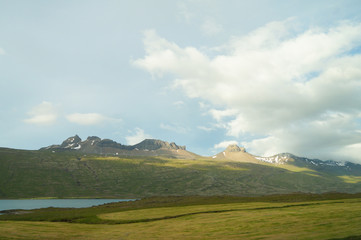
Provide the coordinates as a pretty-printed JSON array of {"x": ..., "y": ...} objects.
[
  {"x": 274, "y": 159},
  {"x": 77, "y": 147}
]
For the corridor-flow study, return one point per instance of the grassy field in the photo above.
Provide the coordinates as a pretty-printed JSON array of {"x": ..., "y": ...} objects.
[{"x": 297, "y": 216}]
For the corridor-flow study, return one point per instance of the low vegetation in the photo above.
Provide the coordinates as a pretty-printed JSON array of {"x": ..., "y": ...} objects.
[{"x": 298, "y": 216}]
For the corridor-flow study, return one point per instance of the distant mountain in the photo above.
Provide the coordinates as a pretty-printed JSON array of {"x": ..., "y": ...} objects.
[
  {"x": 104, "y": 168},
  {"x": 96, "y": 145},
  {"x": 57, "y": 172},
  {"x": 286, "y": 160}
]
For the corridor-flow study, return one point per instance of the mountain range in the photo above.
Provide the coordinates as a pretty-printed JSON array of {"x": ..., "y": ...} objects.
[
  {"x": 154, "y": 147},
  {"x": 104, "y": 168},
  {"x": 350, "y": 172},
  {"x": 148, "y": 147}
]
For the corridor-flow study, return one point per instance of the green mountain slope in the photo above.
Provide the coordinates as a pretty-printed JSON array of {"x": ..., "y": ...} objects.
[{"x": 28, "y": 174}]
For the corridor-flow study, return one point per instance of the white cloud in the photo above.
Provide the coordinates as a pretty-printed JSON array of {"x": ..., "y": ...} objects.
[
  {"x": 86, "y": 118},
  {"x": 299, "y": 89},
  {"x": 42, "y": 114},
  {"x": 221, "y": 114},
  {"x": 166, "y": 57},
  {"x": 184, "y": 12},
  {"x": 178, "y": 103},
  {"x": 224, "y": 144},
  {"x": 175, "y": 128},
  {"x": 350, "y": 151},
  {"x": 137, "y": 137},
  {"x": 210, "y": 27},
  {"x": 327, "y": 136},
  {"x": 2, "y": 51},
  {"x": 207, "y": 129}
]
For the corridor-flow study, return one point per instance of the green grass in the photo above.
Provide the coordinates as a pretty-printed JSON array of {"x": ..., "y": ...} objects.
[
  {"x": 94, "y": 214},
  {"x": 296, "y": 216}
]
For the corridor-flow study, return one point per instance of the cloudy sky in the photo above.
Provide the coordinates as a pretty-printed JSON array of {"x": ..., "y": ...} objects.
[{"x": 272, "y": 76}]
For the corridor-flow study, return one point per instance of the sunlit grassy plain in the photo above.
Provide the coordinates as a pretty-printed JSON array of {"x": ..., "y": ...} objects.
[{"x": 271, "y": 217}]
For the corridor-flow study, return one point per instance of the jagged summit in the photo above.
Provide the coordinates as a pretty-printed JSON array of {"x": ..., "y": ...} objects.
[
  {"x": 93, "y": 138},
  {"x": 235, "y": 153},
  {"x": 154, "y": 144},
  {"x": 96, "y": 145},
  {"x": 71, "y": 142},
  {"x": 235, "y": 148}
]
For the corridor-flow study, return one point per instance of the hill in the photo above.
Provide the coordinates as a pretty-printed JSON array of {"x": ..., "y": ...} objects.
[{"x": 58, "y": 171}]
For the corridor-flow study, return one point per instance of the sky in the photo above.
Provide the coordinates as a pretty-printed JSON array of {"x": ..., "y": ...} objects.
[{"x": 272, "y": 76}]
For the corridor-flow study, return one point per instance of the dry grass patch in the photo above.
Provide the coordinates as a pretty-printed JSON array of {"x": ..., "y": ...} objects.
[{"x": 351, "y": 179}]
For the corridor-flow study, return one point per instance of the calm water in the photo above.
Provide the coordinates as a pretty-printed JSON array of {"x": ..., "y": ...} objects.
[{"x": 44, "y": 203}]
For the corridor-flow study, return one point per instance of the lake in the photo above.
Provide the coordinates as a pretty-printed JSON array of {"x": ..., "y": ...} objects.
[{"x": 62, "y": 203}]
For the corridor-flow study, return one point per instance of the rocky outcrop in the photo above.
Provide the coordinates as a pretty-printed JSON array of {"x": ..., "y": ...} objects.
[
  {"x": 109, "y": 143},
  {"x": 71, "y": 142},
  {"x": 235, "y": 148},
  {"x": 153, "y": 144}
]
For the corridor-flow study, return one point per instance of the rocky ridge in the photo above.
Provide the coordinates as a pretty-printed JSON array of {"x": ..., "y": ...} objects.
[
  {"x": 96, "y": 145},
  {"x": 235, "y": 148}
]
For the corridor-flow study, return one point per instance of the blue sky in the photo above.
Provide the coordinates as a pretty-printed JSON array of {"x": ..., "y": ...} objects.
[{"x": 273, "y": 76}]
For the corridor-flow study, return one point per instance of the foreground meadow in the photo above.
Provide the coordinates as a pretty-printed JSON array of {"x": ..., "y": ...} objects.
[{"x": 317, "y": 219}]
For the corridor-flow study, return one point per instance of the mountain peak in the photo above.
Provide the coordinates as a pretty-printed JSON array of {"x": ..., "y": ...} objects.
[
  {"x": 93, "y": 138},
  {"x": 154, "y": 144},
  {"x": 235, "y": 148},
  {"x": 71, "y": 142}
]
